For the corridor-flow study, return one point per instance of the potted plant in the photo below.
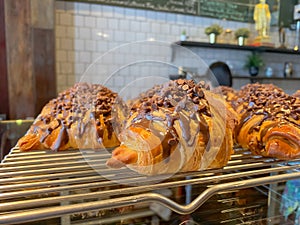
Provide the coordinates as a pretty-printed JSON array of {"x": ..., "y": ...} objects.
[
  {"x": 183, "y": 36},
  {"x": 213, "y": 31},
  {"x": 241, "y": 34},
  {"x": 253, "y": 63}
]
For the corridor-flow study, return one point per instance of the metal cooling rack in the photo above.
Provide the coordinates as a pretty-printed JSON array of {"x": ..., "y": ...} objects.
[{"x": 40, "y": 185}]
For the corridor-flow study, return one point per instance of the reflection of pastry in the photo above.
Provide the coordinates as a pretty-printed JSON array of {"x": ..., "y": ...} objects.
[
  {"x": 79, "y": 117},
  {"x": 270, "y": 121},
  {"x": 182, "y": 127}
]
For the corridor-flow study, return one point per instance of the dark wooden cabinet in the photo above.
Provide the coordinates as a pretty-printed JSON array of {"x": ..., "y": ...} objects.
[
  {"x": 4, "y": 106},
  {"x": 27, "y": 65}
]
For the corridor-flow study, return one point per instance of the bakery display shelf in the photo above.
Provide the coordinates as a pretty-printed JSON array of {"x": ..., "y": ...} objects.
[
  {"x": 237, "y": 47},
  {"x": 41, "y": 185},
  {"x": 265, "y": 78}
]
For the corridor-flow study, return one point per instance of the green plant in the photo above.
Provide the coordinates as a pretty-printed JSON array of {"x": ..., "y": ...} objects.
[
  {"x": 254, "y": 60},
  {"x": 214, "y": 28},
  {"x": 242, "y": 32}
]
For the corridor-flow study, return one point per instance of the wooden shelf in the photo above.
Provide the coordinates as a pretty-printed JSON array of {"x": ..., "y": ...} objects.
[
  {"x": 237, "y": 47},
  {"x": 264, "y": 78}
]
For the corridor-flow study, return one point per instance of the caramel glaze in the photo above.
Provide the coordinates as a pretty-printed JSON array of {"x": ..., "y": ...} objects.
[
  {"x": 72, "y": 106},
  {"x": 180, "y": 100},
  {"x": 273, "y": 103}
]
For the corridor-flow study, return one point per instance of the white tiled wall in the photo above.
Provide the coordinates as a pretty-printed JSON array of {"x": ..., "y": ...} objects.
[{"x": 112, "y": 37}]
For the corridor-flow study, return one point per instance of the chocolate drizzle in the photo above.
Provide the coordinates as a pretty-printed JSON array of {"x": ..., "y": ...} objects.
[
  {"x": 61, "y": 140},
  {"x": 270, "y": 101},
  {"x": 73, "y": 106},
  {"x": 184, "y": 124},
  {"x": 180, "y": 100},
  {"x": 169, "y": 143}
]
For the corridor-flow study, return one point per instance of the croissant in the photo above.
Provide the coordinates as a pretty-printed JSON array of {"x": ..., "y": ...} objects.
[
  {"x": 182, "y": 127},
  {"x": 80, "y": 117},
  {"x": 297, "y": 94},
  {"x": 230, "y": 95},
  {"x": 270, "y": 121}
]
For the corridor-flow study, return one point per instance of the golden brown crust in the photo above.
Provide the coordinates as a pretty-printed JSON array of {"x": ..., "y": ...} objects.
[
  {"x": 283, "y": 142},
  {"x": 181, "y": 127},
  {"x": 30, "y": 141},
  {"x": 80, "y": 117},
  {"x": 125, "y": 155},
  {"x": 297, "y": 94}
]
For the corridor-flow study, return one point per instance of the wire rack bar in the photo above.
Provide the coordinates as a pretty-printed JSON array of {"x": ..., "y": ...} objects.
[{"x": 33, "y": 184}]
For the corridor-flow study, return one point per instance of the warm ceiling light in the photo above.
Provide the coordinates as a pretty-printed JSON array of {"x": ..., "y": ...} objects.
[{"x": 100, "y": 34}]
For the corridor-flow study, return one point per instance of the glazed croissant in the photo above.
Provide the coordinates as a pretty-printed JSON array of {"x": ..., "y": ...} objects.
[
  {"x": 79, "y": 117},
  {"x": 270, "y": 121},
  {"x": 182, "y": 127}
]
